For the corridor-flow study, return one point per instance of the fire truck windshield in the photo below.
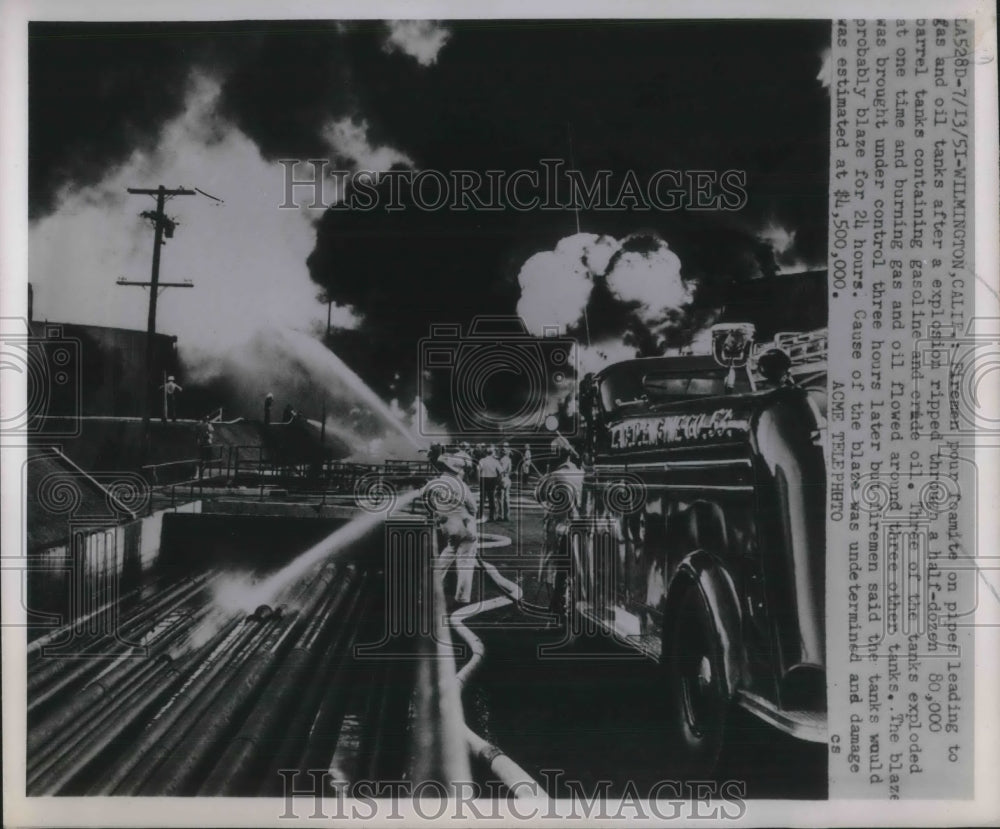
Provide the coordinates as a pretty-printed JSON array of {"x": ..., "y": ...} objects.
[
  {"x": 641, "y": 383},
  {"x": 666, "y": 387}
]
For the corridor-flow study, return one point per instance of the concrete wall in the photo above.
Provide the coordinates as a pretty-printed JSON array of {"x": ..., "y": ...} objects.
[
  {"x": 260, "y": 543},
  {"x": 97, "y": 565}
]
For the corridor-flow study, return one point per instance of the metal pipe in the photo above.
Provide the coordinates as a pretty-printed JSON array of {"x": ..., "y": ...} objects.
[
  {"x": 64, "y": 671},
  {"x": 202, "y": 712},
  {"x": 98, "y": 698},
  {"x": 92, "y": 676},
  {"x": 390, "y": 740},
  {"x": 35, "y": 646},
  {"x": 178, "y": 714},
  {"x": 43, "y": 755},
  {"x": 103, "y": 732},
  {"x": 180, "y": 768},
  {"x": 118, "y": 668},
  {"x": 344, "y": 751},
  {"x": 314, "y": 740},
  {"x": 242, "y": 755},
  {"x": 134, "y": 775},
  {"x": 101, "y": 693},
  {"x": 155, "y": 691},
  {"x": 368, "y": 750}
]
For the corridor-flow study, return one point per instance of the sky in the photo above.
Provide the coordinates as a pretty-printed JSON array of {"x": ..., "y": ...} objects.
[{"x": 217, "y": 105}]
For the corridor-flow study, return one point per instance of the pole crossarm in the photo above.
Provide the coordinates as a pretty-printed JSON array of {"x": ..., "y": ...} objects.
[
  {"x": 158, "y": 284},
  {"x": 155, "y": 191}
]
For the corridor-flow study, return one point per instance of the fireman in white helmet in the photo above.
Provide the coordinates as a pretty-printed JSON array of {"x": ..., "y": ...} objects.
[
  {"x": 451, "y": 502},
  {"x": 560, "y": 493}
]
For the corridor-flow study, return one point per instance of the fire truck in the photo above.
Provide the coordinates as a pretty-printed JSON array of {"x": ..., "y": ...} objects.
[{"x": 700, "y": 534}]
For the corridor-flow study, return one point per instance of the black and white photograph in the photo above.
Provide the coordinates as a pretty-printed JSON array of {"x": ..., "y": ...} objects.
[{"x": 435, "y": 414}]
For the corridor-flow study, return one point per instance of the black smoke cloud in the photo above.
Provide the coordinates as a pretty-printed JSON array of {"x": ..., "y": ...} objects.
[
  {"x": 629, "y": 95},
  {"x": 97, "y": 92},
  {"x": 100, "y": 91}
]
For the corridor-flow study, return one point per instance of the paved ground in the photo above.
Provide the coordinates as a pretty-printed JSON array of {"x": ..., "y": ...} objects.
[{"x": 594, "y": 713}]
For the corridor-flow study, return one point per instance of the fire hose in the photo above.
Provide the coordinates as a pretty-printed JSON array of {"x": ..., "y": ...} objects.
[{"x": 515, "y": 778}]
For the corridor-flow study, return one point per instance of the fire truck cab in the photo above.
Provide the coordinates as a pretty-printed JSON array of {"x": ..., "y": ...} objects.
[{"x": 701, "y": 539}]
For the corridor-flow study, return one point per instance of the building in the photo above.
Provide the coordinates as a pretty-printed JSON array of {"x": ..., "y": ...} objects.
[{"x": 95, "y": 370}]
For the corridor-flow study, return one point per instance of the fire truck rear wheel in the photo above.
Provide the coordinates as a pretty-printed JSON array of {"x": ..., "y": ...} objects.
[{"x": 699, "y": 698}]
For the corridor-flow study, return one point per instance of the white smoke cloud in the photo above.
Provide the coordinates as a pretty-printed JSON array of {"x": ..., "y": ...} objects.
[
  {"x": 556, "y": 284},
  {"x": 780, "y": 239},
  {"x": 651, "y": 278},
  {"x": 420, "y": 39},
  {"x": 247, "y": 257},
  {"x": 597, "y": 254},
  {"x": 825, "y": 74},
  {"x": 556, "y": 287},
  {"x": 783, "y": 243},
  {"x": 554, "y": 290},
  {"x": 349, "y": 139}
]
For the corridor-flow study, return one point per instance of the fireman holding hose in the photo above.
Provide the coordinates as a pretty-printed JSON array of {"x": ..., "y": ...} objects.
[{"x": 451, "y": 502}]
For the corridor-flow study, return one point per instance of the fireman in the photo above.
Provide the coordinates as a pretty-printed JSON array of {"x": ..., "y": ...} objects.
[
  {"x": 775, "y": 366},
  {"x": 489, "y": 482},
  {"x": 170, "y": 388},
  {"x": 526, "y": 466},
  {"x": 204, "y": 432},
  {"x": 560, "y": 494},
  {"x": 504, "y": 463},
  {"x": 451, "y": 502}
]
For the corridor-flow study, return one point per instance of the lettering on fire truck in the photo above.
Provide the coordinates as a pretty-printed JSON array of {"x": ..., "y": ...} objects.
[{"x": 660, "y": 431}]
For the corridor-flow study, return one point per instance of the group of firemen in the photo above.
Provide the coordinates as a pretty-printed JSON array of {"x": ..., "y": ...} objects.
[
  {"x": 457, "y": 512},
  {"x": 495, "y": 467}
]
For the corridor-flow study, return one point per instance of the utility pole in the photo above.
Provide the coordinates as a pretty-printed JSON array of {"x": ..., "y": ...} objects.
[
  {"x": 326, "y": 342},
  {"x": 576, "y": 211},
  {"x": 161, "y": 223}
]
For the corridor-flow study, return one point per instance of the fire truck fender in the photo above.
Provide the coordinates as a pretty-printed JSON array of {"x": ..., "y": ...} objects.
[{"x": 700, "y": 570}]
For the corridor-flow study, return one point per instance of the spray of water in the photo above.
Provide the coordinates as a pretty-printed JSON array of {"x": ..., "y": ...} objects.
[
  {"x": 329, "y": 371},
  {"x": 240, "y": 594}
]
